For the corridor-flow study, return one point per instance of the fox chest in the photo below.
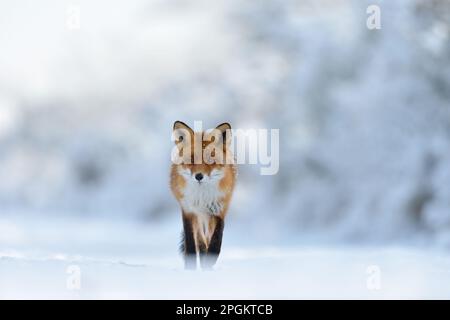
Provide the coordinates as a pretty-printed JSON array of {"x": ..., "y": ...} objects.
[{"x": 202, "y": 199}]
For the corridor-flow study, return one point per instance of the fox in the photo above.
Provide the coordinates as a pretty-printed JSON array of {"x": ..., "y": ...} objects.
[{"x": 203, "y": 188}]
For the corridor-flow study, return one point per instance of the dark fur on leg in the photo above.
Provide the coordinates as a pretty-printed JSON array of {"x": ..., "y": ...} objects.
[{"x": 190, "y": 253}]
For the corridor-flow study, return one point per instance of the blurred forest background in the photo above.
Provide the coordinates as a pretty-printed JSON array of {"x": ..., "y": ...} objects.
[{"x": 364, "y": 115}]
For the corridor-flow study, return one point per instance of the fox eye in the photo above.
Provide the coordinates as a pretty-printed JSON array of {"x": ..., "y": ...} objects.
[{"x": 181, "y": 139}]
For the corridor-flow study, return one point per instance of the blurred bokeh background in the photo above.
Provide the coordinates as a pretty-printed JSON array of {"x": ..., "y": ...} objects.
[{"x": 89, "y": 91}]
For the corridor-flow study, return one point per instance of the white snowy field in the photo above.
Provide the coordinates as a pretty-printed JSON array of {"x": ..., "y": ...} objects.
[{"x": 129, "y": 261}]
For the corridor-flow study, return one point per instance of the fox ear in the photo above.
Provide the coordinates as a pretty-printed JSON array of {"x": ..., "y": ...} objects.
[
  {"x": 180, "y": 129},
  {"x": 181, "y": 125},
  {"x": 225, "y": 129}
]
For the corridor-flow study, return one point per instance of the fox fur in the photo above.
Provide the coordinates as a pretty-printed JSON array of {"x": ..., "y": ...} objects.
[{"x": 203, "y": 190}]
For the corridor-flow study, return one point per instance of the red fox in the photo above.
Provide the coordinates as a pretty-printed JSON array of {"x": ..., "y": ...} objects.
[{"x": 203, "y": 189}]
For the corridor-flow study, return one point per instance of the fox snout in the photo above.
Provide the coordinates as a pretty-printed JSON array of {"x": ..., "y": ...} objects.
[{"x": 199, "y": 176}]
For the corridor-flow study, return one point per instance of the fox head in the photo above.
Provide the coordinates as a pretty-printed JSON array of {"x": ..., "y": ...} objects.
[{"x": 202, "y": 156}]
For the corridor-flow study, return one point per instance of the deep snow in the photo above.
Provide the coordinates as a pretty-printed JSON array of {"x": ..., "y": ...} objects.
[{"x": 120, "y": 260}]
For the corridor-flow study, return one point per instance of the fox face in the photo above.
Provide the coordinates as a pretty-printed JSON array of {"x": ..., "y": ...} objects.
[{"x": 204, "y": 175}]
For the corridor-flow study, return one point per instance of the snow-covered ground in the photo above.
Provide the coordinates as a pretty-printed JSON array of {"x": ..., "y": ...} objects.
[{"x": 120, "y": 260}]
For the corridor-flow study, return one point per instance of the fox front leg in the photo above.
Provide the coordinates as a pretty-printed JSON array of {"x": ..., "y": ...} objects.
[
  {"x": 215, "y": 244},
  {"x": 203, "y": 255},
  {"x": 189, "y": 247}
]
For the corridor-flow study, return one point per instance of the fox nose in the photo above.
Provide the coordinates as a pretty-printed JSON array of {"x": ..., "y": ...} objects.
[{"x": 199, "y": 177}]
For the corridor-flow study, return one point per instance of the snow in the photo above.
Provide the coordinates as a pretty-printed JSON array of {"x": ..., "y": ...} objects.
[
  {"x": 130, "y": 261},
  {"x": 85, "y": 126}
]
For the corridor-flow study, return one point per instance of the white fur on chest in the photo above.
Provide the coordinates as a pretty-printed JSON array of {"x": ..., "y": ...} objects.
[{"x": 202, "y": 198}]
